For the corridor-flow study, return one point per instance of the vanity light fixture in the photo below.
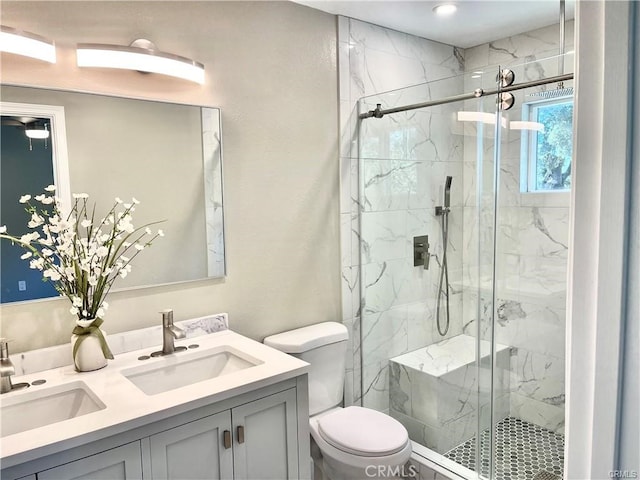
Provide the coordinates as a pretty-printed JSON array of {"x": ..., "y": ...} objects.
[
  {"x": 26, "y": 44},
  {"x": 445, "y": 9},
  {"x": 141, "y": 56}
]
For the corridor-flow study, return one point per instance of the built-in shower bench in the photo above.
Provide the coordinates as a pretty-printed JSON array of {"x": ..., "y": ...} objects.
[{"x": 435, "y": 391}]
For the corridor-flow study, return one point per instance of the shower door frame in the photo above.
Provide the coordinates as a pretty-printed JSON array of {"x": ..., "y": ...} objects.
[{"x": 477, "y": 94}]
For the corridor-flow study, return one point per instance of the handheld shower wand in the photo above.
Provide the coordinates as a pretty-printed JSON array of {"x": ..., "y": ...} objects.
[
  {"x": 447, "y": 192},
  {"x": 443, "y": 211}
]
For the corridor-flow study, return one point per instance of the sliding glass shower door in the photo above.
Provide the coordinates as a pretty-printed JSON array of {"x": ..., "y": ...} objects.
[{"x": 464, "y": 345}]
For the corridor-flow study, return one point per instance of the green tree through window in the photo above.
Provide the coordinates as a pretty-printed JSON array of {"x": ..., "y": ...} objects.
[{"x": 554, "y": 145}]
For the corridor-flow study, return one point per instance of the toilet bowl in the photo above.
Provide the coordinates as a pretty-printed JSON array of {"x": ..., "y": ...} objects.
[
  {"x": 359, "y": 443},
  {"x": 351, "y": 443}
]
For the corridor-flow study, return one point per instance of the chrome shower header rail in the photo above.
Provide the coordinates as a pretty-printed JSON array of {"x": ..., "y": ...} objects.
[{"x": 477, "y": 93}]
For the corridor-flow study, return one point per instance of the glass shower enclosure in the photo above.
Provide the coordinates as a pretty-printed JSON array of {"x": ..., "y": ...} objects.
[{"x": 484, "y": 170}]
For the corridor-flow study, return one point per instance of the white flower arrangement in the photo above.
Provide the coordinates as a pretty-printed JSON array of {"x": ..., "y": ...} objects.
[{"x": 81, "y": 254}]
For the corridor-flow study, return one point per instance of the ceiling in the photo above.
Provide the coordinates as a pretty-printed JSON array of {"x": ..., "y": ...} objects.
[{"x": 475, "y": 22}]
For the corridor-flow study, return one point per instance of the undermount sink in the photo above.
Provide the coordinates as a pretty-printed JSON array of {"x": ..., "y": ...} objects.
[
  {"x": 38, "y": 408},
  {"x": 177, "y": 371}
]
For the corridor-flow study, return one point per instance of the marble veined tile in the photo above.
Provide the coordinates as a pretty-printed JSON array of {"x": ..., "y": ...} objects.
[
  {"x": 540, "y": 377},
  {"x": 384, "y": 334},
  {"x": 445, "y": 356}
]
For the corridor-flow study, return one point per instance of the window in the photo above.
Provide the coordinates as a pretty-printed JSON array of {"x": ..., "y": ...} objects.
[{"x": 549, "y": 147}]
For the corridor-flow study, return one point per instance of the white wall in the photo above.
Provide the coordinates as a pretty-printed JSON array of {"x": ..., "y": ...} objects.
[
  {"x": 598, "y": 262},
  {"x": 271, "y": 68}
]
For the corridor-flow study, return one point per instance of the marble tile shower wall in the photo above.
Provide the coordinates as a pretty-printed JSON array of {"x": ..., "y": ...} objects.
[
  {"x": 402, "y": 180},
  {"x": 532, "y": 245}
]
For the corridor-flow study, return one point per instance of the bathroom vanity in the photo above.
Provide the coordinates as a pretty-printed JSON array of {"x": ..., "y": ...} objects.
[{"x": 229, "y": 408}]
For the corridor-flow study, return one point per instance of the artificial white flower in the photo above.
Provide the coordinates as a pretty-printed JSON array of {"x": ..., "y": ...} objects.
[
  {"x": 48, "y": 241},
  {"x": 77, "y": 301},
  {"x": 36, "y": 221},
  {"x": 134, "y": 200},
  {"x": 50, "y": 188},
  {"x": 3, "y": 229},
  {"x": 47, "y": 200},
  {"x": 160, "y": 233},
  {"x": 29, "y": 237},
  {"x": 139, "y": 247},
  {"x": 74, "y": 311},
  {"x": 52, "y": 274},
  {"x": 147, "y": 231},
  {"x": 102, "y": 251},
  {"x": 78, "y": 196},
  {"x": 26, "y": 255},
  {"x": 85, "y": 223},
  {"x": 118, "y": 200},
  {"x": 24, "y": 198}
]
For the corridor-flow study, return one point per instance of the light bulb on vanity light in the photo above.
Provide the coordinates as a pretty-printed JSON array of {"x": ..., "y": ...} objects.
[
  {"x": 26, "y": 44},
  {"x": 140, "y": 56}
]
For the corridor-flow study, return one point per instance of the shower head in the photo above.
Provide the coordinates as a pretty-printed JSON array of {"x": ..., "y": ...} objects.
[
  {"x": 559, "y": 92},
  {"x": 447, "y": 192}
]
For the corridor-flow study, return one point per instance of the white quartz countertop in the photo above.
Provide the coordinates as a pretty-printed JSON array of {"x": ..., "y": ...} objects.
[{"x": 127, "y": 407}]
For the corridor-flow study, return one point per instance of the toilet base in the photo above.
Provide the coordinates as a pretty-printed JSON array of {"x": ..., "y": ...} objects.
[{"x": 323, "y": 469}]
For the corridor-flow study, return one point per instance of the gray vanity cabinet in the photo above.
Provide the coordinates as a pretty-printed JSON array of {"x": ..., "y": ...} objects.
[
  {"x": 261, "y": 434},
  {"x": 256, "y": 440},
  {"x": 120, "y": 463},
  {"x": 266, "y": 438},
  {"x": 195, "y": 450}
]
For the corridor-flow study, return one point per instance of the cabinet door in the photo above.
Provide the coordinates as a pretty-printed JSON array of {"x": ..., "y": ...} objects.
[
  {"x": 124, "y": 462},
  {"x": 266, "y": 439},
  {"x": 195, "y": 450}
]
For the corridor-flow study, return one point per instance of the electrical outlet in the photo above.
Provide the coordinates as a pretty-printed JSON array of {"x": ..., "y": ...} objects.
[{"x": 22, "y": 285}]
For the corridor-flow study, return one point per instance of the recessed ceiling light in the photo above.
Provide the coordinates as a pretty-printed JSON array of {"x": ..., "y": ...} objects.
[{"x": 445, "y": 9}]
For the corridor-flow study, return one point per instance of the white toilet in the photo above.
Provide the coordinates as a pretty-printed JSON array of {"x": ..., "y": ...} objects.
[{"x": 347, "y": 443}]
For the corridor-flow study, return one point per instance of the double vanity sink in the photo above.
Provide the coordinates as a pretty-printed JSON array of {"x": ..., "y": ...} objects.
[
  {"x": 46, "y": 405},
  {"x": 71, "y": 409}
]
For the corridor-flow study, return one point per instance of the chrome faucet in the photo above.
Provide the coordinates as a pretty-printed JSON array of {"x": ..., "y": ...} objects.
[
  {"x": 169, "y": 332},
  {"x": 6, "y": 367}
]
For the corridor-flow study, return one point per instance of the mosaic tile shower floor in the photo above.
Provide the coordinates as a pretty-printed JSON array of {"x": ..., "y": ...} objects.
[{"x": 524, "y": 451}]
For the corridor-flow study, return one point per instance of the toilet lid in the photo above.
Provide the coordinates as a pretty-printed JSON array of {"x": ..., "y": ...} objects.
[{"x": 362, "y": 431}]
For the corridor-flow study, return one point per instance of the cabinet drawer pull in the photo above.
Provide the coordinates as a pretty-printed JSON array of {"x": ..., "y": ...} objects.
[
  {"x": 226, "y": 438},
  {"x": 240, "y": 434}
]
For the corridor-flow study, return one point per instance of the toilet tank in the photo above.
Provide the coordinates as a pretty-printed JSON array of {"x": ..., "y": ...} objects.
[{"x": 324, "y": 347}]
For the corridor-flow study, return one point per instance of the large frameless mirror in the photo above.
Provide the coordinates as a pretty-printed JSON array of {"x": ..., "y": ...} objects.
[{"x": 168, "y": 156}]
